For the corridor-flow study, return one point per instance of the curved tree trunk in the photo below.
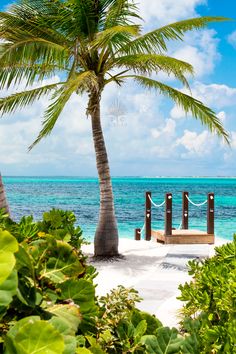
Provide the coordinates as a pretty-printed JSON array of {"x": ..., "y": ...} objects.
[
  {"x": 106, "y": 236},
  {"x": 3, "y": 200}
]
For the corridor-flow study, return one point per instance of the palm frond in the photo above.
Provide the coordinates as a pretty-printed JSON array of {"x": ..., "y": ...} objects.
[
  {"x": 189, "y": 104},
  {"x": 115, "y": 36},
  {"x": 154, "y": 63},
  {"x": 121, "y": 12},
  {"x": 20, "y": 100},
  {"x": 79, "y": 84},
  {"x": 33, "y": 50},
  {"x": 15, "y": 74},
  {"x": 22, "y": 23},
  {"x": 155, "y": 41}
]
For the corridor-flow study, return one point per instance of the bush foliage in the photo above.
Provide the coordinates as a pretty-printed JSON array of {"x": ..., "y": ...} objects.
[
  {"x": 210, "y": 301},
  {"x": 48, "y": 302}
]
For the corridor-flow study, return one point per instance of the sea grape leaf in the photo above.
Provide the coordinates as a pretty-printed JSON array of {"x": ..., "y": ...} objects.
[
  {"x": 24, "y": 260},
  {"x": 81, "y": 291},
  {"x": 8, "y": 289},
  {"x": 96, "y": 349},
  {"x": 166, "y": 341},
  {"x": 8, "y": 243},
  {"x": 70, "y": 313},
  {"x": 67, "y": 332},
  {"x": 9, "y": 339},
  {"x": 39, "y": 337},
  {"x": 83, "y": 351},
  {"x": 7, "y": 263},
  {"x": 61, "y": 262}
]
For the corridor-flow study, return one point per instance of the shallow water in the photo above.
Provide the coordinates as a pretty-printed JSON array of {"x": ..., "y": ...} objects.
[{"x": 34, "y": 195}]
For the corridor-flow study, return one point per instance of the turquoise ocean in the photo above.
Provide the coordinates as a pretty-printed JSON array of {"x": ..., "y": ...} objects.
[{"x": 34, "y": 195}]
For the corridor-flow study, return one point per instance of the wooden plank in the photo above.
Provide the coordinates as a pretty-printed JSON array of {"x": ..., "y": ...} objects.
[
  {"x": 190, "y": 239},
  {"x": 158, "y": 236},
  {"x": 184, "y": 237}
]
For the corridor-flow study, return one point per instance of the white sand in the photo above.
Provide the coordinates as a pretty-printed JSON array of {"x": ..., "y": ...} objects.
[{"x": 154, "y": 270}]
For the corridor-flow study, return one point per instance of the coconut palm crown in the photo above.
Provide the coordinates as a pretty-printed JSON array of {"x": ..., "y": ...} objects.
[{"x": 90, "y": 44}]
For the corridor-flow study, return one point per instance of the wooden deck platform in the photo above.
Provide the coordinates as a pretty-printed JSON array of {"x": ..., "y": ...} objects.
[{"x": 183, "y": 237}]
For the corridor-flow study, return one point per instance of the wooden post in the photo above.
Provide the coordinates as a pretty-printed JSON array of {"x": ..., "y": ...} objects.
[
  {"x": 148, "y": 217},
  {"x": 210, "y": 214},
  {"x": 137, "y": 235},
  {"x": 184, "y": 211},
  {"x": 168, "y": 215}
]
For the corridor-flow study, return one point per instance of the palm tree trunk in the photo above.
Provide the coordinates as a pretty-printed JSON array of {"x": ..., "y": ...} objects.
[
  {"x": 3, "y": 200},
  {"x": 106, "y": 236}
]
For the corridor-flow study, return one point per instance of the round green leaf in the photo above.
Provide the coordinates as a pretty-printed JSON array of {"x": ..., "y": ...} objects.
[
  {"x": 8, "y": 289},
  {"x": 7, "y": 262},
  {"x": 8, "y": 242},
  {"x": 81, "y": 291},
  {"x": 69, "y": 313},
  {"x": 39, "y": 338},
  {"x": 83, "y": 351}
]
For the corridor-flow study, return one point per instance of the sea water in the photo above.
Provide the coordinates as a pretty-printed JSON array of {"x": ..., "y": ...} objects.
[{"x": 34, "y": 195}]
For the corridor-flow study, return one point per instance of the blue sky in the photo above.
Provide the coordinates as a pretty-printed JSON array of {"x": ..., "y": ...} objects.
[{"x": 146, "y": 134}]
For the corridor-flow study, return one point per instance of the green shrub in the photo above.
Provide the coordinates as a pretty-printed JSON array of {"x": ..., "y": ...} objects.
[
  {"x": 210, "y": 301},
  {"x": 48, "y": 302},
  {"x": 46, "y": 285}
]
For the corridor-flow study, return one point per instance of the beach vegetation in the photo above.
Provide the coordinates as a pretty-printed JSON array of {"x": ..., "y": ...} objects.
[
  {"x": 209, "y": 312},
  {"x": 48, "y": 302},
  {"x": 89, "y": 44}
]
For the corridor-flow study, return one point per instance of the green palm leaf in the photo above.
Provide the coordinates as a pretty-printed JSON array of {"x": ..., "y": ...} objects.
[
  {"x": 33, "y": 50},
  {"x": 32, "y": 27},
  {"x": 78, "y": 83},
  {"x": 22, "y": 99},
  {"x": 121, "y": 12},
  {"x": 13, "y": 75},
  {"x": 187, "y": 103},
  {"x": 115, "y": 35},
  {"x": 155, "y": 41},
  {"x": 154, "y": 63}
]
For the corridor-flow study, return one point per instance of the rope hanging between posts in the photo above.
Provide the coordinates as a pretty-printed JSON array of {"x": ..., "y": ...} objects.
[
  {"x": 154, "y": 204},
  {"x": 180, "y": 225},
  {"x": 195, "y": 204},
  {"x": 141, "y": 231}
]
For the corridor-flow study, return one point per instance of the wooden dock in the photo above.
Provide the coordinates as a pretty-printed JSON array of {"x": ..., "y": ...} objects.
[{"x": 183, "y": 237}]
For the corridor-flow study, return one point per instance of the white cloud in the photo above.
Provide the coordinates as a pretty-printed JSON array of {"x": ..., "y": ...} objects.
[
  {"x": 233, "y": 139},
  {"x": 196, "y": 144},
  {"x": 232, "y": 39},
  {"x": 168, "y": 11},
  {"x": 222, "y": 116},
  {"x": 215, "y": 96},
  {"x": 200, "y": 50},
  {"x": 168, "y": 130},
  {"x": 177, "y": 112}
]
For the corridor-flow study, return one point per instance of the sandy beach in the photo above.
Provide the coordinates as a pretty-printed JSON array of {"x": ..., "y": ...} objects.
[{"x": 154, "y": 270}]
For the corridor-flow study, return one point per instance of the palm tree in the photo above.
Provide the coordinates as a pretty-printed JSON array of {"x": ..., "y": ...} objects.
[
  {"x": 3, "y": 200},
  {"x": 90, "y": 44}
]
